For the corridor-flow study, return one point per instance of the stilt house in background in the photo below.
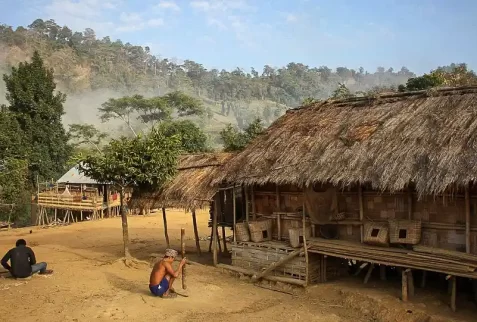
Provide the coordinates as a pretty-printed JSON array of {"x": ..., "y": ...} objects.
[
  {"x": 75, "y": 197},
  {"x": 386, "y": 181},
  {"x": 191, "y": 189}
]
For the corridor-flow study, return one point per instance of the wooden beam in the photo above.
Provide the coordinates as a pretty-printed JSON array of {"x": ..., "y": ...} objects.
[
  {"x": 368, "y": 274},
  {"x": 166, "y": 234},
  {"x": 409, "y": 202},
  {"x": 361, "y": 210},
  {"x": 214, "y": 228},
  {"x": 183, "y": 246},
  {"x": 410, "y": 282},
  {"x": 196, "y": 233},
  {"x": 467, "y": 219},
  {"x": 282, "y": 261}
]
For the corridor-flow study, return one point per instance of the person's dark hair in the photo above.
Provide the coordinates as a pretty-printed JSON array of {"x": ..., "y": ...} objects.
[{"x": 21, "y": 242}]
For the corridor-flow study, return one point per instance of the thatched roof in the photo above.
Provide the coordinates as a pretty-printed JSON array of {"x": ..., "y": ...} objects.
[
  {"x": 191, "y": 187},
  {"x": 428, "y": 138}
]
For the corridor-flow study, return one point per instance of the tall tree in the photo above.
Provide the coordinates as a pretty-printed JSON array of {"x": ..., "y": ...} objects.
[
  {"x": 38, "y": 109},
  {"x": 142, "y": 163}
]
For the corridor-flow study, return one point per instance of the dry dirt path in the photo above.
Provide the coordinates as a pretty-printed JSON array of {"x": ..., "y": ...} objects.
[{"x": 90, "y": 285}]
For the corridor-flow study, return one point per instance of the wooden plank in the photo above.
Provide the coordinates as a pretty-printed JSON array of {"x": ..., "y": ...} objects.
[{"x": 277, "y": 264}]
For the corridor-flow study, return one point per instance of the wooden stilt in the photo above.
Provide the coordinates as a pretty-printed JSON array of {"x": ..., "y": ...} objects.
[
  {"x": 404, "y": 285},
  {"x": 453, "y": 282},
  {"x": 56, "y": 214},
  {"x": 361, "y": 210},
  {"x": 247, "y": 208},
  {"x": 224, "y": 239},
  {"x": 183, "y": 246},
  {"x": 410, "y": 282},
  {"x": 409, "y": 202},
  {"x": 305, "y": 247},
  {"x": 196, "y": 232},
  {"x": 360, "y": 268},
  {"x": 467, "y": 219},
  {"x": 368, "y": 274},
  {"x": 81, "y": 215},
  {"x": 211, "y": 238},
  {"x": 254, "y": 215},
  {"x": 382, "y": 272},
  {"x": 423, "y": 280},
  {"x": 214, "y": 231},
  {"x": 234, "y": 211},
  {"x": 279, "y": 227},
  {"x": 218, "y": 240}
]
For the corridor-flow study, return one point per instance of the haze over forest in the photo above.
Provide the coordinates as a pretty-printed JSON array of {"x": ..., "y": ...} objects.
[{"x": 92, "y": 70}]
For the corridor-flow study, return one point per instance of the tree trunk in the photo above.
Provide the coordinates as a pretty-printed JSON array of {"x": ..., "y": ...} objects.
[{"x": 124, "y": 221}]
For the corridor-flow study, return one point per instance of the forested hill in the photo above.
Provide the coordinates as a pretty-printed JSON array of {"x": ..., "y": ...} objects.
[{"x": 82, "y": 63}]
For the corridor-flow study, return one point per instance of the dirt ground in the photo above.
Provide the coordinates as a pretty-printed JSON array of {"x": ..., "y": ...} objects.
[{"x": 89, "y": 284}]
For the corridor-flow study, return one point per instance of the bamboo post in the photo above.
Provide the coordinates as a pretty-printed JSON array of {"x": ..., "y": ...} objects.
[
  {"x": 453, "y": 281},
  {"x": 467, "y": 219},
  {"x": 235, "y": 216},
  {"x": 247, "y": 208},
  {"x": 214, "y": 230},
  {"x": 368, "y": 274},
  {"x": 224, "y": 239},
  {"x": 166, "y": 234},
  {"x": 305, "y": 248},
  {"x": 409, "y": 202},
  {"x": 277, "y": 205},
  {"x": 184, "y": 285},
  {"x": 404, "y": 285},
  {"x": 196, "y": 232},
  {"x": 254, "y": 215},
  {"x": 361, "y": 210},
  {"x": 410, "y": 282}
]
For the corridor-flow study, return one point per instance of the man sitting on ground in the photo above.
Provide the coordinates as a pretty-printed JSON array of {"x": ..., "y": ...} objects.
[
  {"x": 23, "y": 262},
  {"x": 163, "y": 275}
]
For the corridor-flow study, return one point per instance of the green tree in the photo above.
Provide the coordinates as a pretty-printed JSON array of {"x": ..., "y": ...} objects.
[
  {"x": 142, "y": 163},
  {"x": 192, "y": 138},
  {"x": 87, "y": 134},
  {"x": 235, "y": 140},
  {"x": 13, "y": 189},
  {"x": 38, "y": 109}
]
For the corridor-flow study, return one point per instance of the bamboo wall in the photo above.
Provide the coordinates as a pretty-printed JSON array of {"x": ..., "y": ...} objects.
[{"x": 443, "y": 217}]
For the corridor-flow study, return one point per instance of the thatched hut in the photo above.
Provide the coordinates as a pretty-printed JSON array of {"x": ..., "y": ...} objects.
[
  {"x": 402, "y": 163},
  {"x": 190, "y": 189}
]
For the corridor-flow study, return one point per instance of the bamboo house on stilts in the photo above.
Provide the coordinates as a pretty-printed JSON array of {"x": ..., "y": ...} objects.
[
  {"x": 191, "y": 190},
  {"x": 75, "y": 197},
  {"x": 385, "y": 181}
]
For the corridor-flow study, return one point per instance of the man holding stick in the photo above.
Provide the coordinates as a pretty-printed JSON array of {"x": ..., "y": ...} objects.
[{"x": 163, "y": 275}]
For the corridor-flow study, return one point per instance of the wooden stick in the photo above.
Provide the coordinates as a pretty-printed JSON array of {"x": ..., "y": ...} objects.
[
  {"x": 183, "y": 245},
  {"x": 360, "y": 268},
  {"x": 166, "y": 234},
  {"x": 368, "y": 274},
  {"x": 467, "y": 219},
  {"x": 404, "y": 286},
  {"x": 453, "y": 282},
  {"x": 214, "y": 229},
  {"x": 224, "y": 240},
  {"x": 196, "y": 233},
  {"x": 361, "y": 210},
  {"x": 282, "y": 261}
]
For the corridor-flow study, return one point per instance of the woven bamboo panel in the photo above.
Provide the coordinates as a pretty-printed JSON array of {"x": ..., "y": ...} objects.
[
  {"x": 242, "y": 232},
  {"x": 405, "y": 231},
  {"x": 376, "y": 234},
  {"x": 260, "y": 230}
]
